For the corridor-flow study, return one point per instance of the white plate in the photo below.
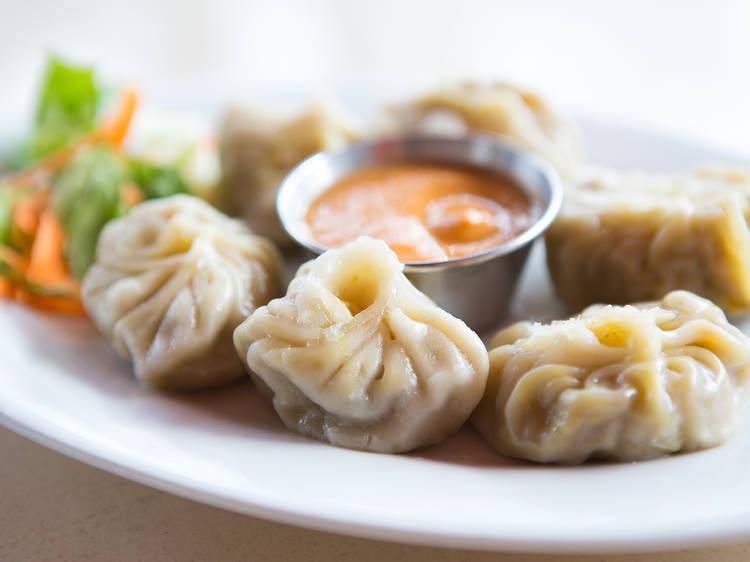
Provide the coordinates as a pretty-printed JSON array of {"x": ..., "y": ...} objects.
[{"x": 64, "y": 387}]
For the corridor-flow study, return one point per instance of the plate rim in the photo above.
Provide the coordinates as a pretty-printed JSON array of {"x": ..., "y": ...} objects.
[{"x": 623, "y": 545}]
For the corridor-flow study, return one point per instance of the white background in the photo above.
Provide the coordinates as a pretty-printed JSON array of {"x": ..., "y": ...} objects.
[{"x": 680, "y": 66}]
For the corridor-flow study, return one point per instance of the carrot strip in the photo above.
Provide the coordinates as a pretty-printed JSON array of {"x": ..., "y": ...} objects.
[
  {"x": 50, "y": 304},
  {"x": 116, "y": 128},
  {"x": 26, "y": 216},
  {"x": 6, "y": 288},
  {"x": 47, "y": 261},
  {"x": 13, "y": 259},
  {"x": 46, "y": 268},
  {"x": 131, "y": 194}
]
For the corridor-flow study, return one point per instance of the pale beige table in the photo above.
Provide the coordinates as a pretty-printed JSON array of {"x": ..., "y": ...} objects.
[{"x": 55, "y": 508}]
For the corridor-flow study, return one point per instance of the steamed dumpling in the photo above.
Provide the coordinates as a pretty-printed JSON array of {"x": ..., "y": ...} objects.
[
  {"x": 170, "y": 282},
  {"x": 635, "y": 236},
  {"x": 626, "y": 383},
  {"x": 498, "y": 108},
  {"x": 355, "y": 355},
  {"x": 259, "y": 149}
]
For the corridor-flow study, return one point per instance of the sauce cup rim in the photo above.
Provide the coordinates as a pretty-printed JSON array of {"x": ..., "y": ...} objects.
[{"x": 550, "y": 209}]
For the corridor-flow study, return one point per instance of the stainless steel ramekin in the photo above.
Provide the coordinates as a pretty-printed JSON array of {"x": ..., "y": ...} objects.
[{"x": 476, "y": 288}]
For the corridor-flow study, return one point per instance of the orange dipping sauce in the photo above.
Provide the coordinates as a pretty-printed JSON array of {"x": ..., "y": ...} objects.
[{"x": 425, "y": 212}]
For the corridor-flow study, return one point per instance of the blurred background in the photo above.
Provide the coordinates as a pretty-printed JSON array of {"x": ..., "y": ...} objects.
[{"x": 675, "y": 66}]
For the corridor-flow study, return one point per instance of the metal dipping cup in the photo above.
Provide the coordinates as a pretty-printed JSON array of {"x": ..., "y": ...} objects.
[{"x": 477, "y": 288}]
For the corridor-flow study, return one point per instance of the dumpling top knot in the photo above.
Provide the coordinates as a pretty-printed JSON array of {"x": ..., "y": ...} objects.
[{"x": 358, "y": 274}]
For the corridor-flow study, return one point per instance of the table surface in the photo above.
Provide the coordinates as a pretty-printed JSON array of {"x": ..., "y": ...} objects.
[{"x": 53, "y": 507}]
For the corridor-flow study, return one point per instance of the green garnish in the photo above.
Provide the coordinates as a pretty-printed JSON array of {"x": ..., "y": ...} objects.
[
  {"x": 6, "y": 214},
  {"x": 66, "y": 109},
  {"x": 86, "y": 195},
  {"x": 157, "y": 181}
]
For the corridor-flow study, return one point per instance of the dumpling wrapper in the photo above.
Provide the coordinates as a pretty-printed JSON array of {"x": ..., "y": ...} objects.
[
  {"x": 626, "y": 383},
  {"x": 498, "y": 108},
  {"x": 171, "y": 281},
  {"x": 626, "y": 237},
  {"x": 259, "y": 149},
  {"x": 355, "y": 355}
]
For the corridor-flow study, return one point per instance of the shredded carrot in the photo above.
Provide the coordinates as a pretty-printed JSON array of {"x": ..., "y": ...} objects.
[
  {"x": 51, "y": 304},
  {"x": 6, "y": 288},
  {"x": 116, "y": 128},
  {"x": 131, "y": 194},
  {"x": 14, "y": 260},
  {"x": 26, "y": 216},
  {"x": 47, "y": 261},
  {"x": 45, "y": 267}
]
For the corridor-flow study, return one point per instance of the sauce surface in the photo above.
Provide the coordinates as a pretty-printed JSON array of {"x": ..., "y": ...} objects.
[{"x": 423, "y": 211}]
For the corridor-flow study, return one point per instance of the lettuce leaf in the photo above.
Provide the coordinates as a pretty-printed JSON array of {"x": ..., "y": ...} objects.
[
  {"x": 157, "y": 181},
  {"x": 86, "y": 195},
  {"x": 6, "y": 214},
  {"x": 66, "y": 109}
]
